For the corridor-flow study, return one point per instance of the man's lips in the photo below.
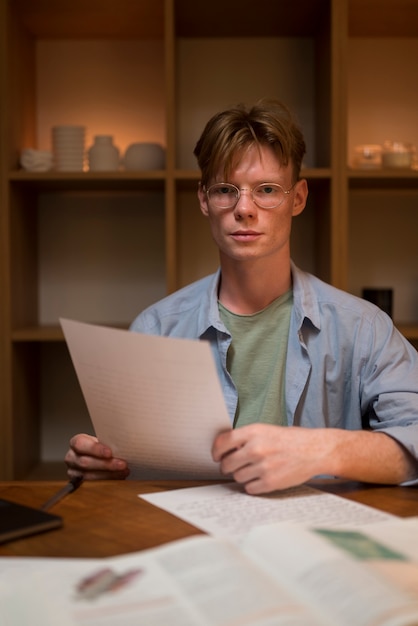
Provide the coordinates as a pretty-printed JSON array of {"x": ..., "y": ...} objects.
[{"x": 245, "y": 235}]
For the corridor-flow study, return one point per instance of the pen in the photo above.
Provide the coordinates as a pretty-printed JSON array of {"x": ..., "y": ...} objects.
[
  {"x": 103, "y": 581},
  {"x": 96, "y": 584},
  {"x": 71, "y": 486}
]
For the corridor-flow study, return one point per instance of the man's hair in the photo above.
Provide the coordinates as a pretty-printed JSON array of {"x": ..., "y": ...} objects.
[{"x": 228, "y": 133}]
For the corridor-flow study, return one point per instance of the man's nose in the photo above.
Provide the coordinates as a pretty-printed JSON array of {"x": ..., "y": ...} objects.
[{"x": 245, "y": 205}]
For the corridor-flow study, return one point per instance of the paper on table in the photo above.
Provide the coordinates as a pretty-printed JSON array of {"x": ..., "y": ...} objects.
[
  {"x": 226, "y": 511},
  {"x": 156, "y": 401}
]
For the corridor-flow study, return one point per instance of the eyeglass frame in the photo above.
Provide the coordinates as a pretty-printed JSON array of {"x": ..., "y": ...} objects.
[{"x": 286, "y": 192}]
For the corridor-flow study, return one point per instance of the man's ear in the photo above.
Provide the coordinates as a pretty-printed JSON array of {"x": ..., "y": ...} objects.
[
  {"x": 203, "y": 200},
  {"x": 300, "y": 196}
]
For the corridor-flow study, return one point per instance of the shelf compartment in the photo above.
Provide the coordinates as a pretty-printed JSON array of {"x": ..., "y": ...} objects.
[
  {"x": 85, "y": 254},
  {"x": 198, "y": 255},
  {"x": 383, "y": 222},
  {"x": 209, "y": 79}
]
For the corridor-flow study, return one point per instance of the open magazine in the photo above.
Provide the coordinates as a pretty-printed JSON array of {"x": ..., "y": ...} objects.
[{"x": 279, "y": 575}]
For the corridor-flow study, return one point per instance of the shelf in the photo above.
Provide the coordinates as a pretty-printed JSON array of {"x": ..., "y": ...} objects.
[
  {"x": 309, "y": 173},
  {"x": 85, "y": 181},
  {"x": 38, "y": 334},
  {"x": 410, "y": 331},
  {"x": 379, "y": 174},
  {"x": 383, "y": 179},
  {"x": 54, "y": 333},
  {"x": 122, "y": 180}
]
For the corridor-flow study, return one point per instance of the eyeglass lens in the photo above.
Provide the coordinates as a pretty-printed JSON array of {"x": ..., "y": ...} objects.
[{"x": 226, "y": 196}]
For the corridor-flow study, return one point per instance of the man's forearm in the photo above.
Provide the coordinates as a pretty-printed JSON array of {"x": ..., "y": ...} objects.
[{"x": 371, "y": 457}]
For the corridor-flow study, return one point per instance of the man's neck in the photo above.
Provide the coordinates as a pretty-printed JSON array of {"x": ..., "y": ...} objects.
[{"x": 251, "y": 286}]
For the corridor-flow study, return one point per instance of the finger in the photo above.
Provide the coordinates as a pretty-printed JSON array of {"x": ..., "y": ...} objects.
[
  {"x": 223, "y": 445},
  {"x": 90, "y": 471},
  {"x": 256, "y": 487},
  {"x": 91, "y": 446},
  {"x": 235, "y": 461},
  {"x": 87, "y": 463}
]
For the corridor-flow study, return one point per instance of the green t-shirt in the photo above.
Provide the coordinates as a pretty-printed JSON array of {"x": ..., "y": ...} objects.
[{"x": 256, "y": 361}]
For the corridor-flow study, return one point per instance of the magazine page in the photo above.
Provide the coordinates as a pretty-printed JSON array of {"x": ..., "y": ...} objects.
[
  {"x": 280, "y": 575},
  {"x": 192, "y": 582},
  {"x": 358, "y": 576}
]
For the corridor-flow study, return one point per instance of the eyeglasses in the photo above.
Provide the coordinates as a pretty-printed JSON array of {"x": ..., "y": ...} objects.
[{"x": 265, "y": 195}]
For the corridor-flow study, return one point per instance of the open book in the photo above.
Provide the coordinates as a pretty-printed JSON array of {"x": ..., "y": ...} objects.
[{"x": 280, "y": 575}]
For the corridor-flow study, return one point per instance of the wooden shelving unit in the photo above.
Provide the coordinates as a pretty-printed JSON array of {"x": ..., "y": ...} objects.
[{"x": 101, "y": 246}]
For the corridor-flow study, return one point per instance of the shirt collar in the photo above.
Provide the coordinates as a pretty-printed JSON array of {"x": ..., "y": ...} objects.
[
  {"x": 304, "y": 301},
  {"x": 209, "y": 311}
]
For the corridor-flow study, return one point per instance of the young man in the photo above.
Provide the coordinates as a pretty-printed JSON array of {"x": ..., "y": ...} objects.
[{"x": 316, "y": 381}]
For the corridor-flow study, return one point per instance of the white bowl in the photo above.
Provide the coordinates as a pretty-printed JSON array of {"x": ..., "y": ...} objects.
[
  {"x": 34, "y": 160},
  {"x": 144, "y": 156}
]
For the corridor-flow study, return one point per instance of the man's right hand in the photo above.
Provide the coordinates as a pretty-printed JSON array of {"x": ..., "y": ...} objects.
[{"x": 91, "y": 459}]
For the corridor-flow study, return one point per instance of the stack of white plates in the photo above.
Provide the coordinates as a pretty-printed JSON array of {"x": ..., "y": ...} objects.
[{"x": 68, "y": 146}]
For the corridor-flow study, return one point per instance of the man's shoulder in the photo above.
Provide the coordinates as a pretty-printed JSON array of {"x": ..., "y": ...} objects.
[
  {"x": 323, "y": 290},
  {"x": 321, "y": 298},
  {"x": 177, "y": 309}
]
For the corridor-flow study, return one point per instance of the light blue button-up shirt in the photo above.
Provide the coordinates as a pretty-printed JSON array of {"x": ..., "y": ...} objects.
[{"x": 347, "y": 365}]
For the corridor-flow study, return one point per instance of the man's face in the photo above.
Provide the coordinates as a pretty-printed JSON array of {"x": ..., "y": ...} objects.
[{"x": 248, "y": 232}]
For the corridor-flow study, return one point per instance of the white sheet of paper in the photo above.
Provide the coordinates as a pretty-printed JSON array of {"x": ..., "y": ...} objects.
[
  {"x": 156, "y": 401},
  {"x": 226, "y": 511}
]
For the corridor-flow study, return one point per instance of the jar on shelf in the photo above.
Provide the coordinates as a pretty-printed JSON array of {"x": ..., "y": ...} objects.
[{"x": 103, "y": 155}]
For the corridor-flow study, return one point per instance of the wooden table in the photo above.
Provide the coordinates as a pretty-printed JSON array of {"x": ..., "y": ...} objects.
[{"x": 106, "y": 518}]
